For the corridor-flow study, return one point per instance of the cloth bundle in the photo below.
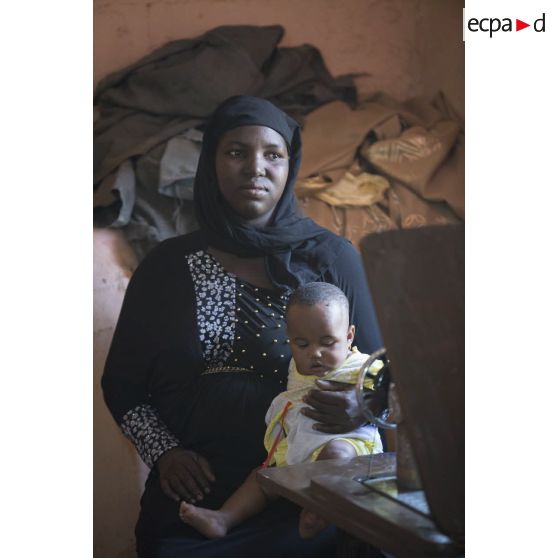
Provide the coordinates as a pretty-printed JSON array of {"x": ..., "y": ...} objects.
[
  {"x": 383, "y": 165},
  {"x": 149, "y": 119}
]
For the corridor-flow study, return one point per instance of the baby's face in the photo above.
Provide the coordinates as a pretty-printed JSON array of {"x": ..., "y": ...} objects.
[{"x": 320, "y": 337}]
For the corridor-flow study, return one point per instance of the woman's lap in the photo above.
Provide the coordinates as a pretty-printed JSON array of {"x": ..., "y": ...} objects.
[{"x": 271, "y": 534}]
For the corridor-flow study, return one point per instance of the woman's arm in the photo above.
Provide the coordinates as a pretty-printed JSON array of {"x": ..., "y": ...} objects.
[
  {"x": 129, "y": 366},
  {"x": 144, "y": 327},
  {"x": 334, "y": 406},
  {"x": 348, "y": 274}
]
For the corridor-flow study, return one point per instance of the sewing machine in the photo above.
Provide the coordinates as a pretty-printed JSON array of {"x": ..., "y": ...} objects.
[{"x": 408, "y": 502}]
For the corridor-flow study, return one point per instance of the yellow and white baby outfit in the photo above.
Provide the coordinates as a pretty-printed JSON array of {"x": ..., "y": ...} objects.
[{"x": 300, "y": 442}]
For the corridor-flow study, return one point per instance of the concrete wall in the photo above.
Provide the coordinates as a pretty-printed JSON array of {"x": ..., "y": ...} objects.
[{"x": 409, "y": 48}]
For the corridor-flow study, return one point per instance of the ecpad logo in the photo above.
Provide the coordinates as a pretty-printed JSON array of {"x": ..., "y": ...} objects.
[{"x": 494, "y": 24}]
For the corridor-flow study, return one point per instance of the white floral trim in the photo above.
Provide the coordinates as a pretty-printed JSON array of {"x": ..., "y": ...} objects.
[
  {"x": 148, "y": 433},
  {"x": 215, "y": 301}
]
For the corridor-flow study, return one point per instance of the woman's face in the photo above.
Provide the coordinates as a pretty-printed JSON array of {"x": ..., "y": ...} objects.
[{"x": 252, "y": 165}]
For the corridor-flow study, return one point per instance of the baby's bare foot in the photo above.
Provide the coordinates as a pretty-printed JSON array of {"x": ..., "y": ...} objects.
[
  {"x": 310, "y": 524},
  {"x": 210, "y": 523}
]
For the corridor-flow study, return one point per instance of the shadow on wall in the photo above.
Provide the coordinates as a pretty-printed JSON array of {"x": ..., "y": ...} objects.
[{"x": 119, "y": 474}]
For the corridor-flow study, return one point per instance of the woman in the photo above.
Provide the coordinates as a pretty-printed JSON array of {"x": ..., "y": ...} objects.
[{"x": 200, "y": 347}]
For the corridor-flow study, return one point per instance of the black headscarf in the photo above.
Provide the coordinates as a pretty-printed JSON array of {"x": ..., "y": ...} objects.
[{"x": 296, "y": 249}]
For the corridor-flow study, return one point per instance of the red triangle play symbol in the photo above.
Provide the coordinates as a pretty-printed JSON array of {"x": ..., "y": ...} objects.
[{"x": 519, "y": 25}]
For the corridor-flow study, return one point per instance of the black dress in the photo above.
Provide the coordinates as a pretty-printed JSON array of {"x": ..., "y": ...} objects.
[{"x": 196, "y": 359}]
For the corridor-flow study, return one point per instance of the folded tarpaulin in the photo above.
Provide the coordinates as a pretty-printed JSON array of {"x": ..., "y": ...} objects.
[
  {"x": 383, "y": 165},
  {"x": 418, "y": 143}
]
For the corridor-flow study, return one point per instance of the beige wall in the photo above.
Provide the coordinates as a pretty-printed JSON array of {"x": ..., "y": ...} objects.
[
  {"x": 409, "y": 47},
  {"x": 118, "y": 474}
]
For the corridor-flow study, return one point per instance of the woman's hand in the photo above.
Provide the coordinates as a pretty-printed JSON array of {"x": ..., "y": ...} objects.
[
  {"x": 184, "y": 475},
  {"x": 334, "y": 407}
]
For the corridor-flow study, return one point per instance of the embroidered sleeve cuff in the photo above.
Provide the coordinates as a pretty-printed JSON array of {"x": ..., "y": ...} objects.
[{"x": 148, "y": 433}]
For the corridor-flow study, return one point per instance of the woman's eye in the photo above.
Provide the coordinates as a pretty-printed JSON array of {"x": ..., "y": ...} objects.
[
  {"x": 234, "y": 153},
  {"x": 274, "y": 156}
]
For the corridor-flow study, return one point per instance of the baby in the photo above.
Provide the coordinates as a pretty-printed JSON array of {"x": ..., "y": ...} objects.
[{"x": 320, "y": 338}]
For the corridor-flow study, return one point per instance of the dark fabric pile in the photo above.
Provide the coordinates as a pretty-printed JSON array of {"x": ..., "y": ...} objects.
[{"x": 149, "y": 120}]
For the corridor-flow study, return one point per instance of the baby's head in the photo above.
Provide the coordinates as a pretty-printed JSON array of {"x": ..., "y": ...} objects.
[{"x": 318, "y": 327}]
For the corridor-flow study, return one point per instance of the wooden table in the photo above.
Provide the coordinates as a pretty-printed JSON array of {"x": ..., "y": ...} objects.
[{"x": 329, "y": 489}]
